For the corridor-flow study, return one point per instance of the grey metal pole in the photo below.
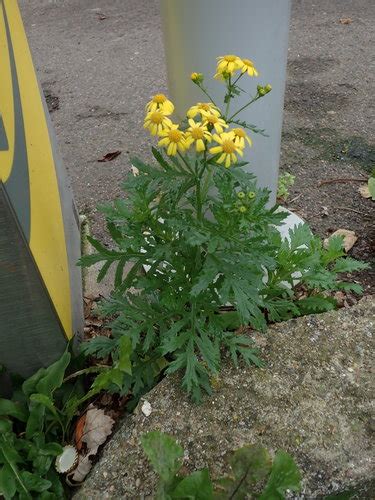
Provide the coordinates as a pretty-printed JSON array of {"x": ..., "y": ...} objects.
[{"x": 197, "y": 31}]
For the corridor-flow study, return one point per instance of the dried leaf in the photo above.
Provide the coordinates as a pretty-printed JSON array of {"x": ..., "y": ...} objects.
[
  {"x": 345, "y": 20},
  {"x": 109, "y": 156},
  {"x": 350, "y": 238},
  {"x": 82, "y": 469},
  {"x": 78, "y": 433},
  {"x": 364, "y": 191},
  {"x": 98, "y": 427}
]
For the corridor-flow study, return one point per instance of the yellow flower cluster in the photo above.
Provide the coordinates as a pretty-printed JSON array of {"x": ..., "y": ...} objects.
[
  {"x": 206, "y": 125},
  {"x": 229, "y": 64}
]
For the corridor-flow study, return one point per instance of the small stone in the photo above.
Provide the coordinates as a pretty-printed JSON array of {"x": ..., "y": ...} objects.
[{"x": 146, "y": 408}]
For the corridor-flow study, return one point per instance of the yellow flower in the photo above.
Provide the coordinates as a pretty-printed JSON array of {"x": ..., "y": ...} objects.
[
  {"x": 196, "y": 77},
  {"x": 228, "y": 65},
  {"x": 197, "y": 133},
  {"x": 215, "y": 122},
  {"x": 160, "y": 103},
  {"x": 227, "y": 148},
  {"x": 248, "y": 67},
  {"x": 173, "y": 140},
  {"x": 240, "y": 136},
  {"x": 156, "y": 122},
  {"x": 203, "y": 108}
]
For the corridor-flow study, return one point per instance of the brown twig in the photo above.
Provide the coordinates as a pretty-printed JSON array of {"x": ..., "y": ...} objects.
[
  {"x": 332, "y": 181},
  {"x": 295, "y": 198},
  {"x": 352, "y": 210}
]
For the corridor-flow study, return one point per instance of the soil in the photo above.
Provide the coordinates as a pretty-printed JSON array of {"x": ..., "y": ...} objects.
[{"x": 329, "y": 122}]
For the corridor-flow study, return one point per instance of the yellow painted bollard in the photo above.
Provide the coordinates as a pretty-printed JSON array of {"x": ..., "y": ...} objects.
[{"x": 40, "y": 284}]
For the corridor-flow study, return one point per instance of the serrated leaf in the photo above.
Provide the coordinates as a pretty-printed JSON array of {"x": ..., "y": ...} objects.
[
  {"x": 100, "y": 346},
  {"x": 164, "y": 454},
  {"x": 349, "y": 265},
  {"x": 285, "y": 475},
  {"x": 315, "y": 304},
  {"x": 349, "y": 238}
]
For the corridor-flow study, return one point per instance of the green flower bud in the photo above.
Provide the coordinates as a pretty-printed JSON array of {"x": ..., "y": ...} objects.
[
  {"x": 261, "y": 90},
  {"x": 242, "y": 209},
  {"x": 268, "y": 88},
  {"x": 251, "y": 195},
  {"x": 241, "y": 195}
]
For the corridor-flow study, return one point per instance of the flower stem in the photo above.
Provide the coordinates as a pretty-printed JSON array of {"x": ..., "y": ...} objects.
[
  {"x": 244, "y": 107},
  {"x": 208, "y": 95}
]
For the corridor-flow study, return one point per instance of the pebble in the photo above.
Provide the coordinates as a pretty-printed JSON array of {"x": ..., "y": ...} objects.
[{"x": 146, "y": 408}]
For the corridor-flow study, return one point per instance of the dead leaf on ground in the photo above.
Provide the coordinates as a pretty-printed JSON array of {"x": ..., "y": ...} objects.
[
  {"x": 82, "y": 469},
  {"x": 101, "y": 17},
  {"x": 364, "y": 191},
  {"x": 78, "y": 433},
  {"x": 96, "y": 429},
  {"x": 350, "y": 238},
  {"x": 98, "y": 426},
  {"x": 109, "y": 156},
  {"x": 346, "y": 20}
]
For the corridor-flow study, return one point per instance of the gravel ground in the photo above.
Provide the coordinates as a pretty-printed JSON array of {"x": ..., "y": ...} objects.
[{"x": 100, "y": 60}]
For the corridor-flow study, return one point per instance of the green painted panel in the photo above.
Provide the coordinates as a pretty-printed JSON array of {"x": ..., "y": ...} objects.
[{"x": 30, "y": 333}]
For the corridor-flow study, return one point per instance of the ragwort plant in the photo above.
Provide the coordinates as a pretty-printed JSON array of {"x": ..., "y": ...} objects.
[{"x": 204, "y": 248}]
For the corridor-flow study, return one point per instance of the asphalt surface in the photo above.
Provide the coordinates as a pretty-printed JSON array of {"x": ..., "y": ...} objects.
[{"x": 101, "y": 60}]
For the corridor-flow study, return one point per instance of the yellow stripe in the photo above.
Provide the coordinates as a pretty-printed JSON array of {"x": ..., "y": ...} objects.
[
  {"x": 6, "y": 102},
  {"x": 47, "y": 238}
]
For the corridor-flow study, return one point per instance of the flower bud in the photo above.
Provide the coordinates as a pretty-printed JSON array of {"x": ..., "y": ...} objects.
[
  {"x": 251, "y": 195},
  {"x": 242, "y": 209},
  {"x": 197, "y": 77},
  {"x": 268, "y": 88},
  {"x": 241, "y": 195},
  {"x": 261, "y": 90}
]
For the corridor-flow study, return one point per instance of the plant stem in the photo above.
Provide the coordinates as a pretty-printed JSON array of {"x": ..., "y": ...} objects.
[
  {"x": 208, "y": 95},
  {"x": 244, "y": 107},
  {"x": 229, "y": 97},
  {"x": 185, "y": 162}
]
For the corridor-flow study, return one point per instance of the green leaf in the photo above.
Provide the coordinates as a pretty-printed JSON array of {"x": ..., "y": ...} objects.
[
  {"x": 197, "y": 486},
  {"x": 164, "y": 454},
  {"x": 45, "y": 401},
  {"x": 108, "y": 377},
  {"x": 12, "y": 409},
  {"x": 103, "y": 271},
  {"x": 7, "y": 482},
  {"x": 125, "y": 351},
  {"x": 349, "y": 265},
  {"x": 316, "y": 304},
  {"x": 53, "y": 449},
  {"x": 34, "y": 482},
  {"x": 35, "y": 422},
  {"x": 53, "y": 376},
  {"x": 5, "y": 425},
  {"x": 285, "y": 475},
  {"x": 371, "y": 187},
  {"x": 100, "y": 346}
]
